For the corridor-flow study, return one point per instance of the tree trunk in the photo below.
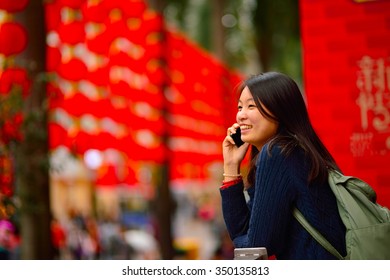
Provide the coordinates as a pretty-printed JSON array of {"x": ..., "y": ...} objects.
[
  {"x": 164, "y": 205},
  {"x": 32, "y": 177},
  {"x": 218, "y": 36}
]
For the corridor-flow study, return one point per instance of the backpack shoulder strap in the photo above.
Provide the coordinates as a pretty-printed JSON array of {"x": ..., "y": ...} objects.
[{"x": 316, "y": 234}]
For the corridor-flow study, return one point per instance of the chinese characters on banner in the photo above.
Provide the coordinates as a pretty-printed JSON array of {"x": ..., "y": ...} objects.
[
  {"x": 346, "y": 56},
  {"x": 373, "y": 82}
]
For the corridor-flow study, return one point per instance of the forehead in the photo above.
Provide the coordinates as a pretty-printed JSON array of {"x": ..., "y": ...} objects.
[{"x": 245, "y": 95}]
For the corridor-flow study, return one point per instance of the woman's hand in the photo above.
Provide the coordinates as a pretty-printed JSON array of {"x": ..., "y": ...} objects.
[{"x": 232, "y": 155}]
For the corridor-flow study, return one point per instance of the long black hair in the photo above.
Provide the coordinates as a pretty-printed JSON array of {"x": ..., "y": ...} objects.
[{"x": 281, "y": 96}]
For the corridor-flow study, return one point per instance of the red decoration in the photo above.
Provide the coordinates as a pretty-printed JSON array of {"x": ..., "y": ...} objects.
[
  {"x": 11, "y": 128},
  {"x": 74, "y": 4},
  {"x": 58, "y": 136},
  {"x": 129, "y": 76},
  {"x": 74, "y": 70},
  {"x": 14, "y": 77},
  {"x": 53, "y": 58},
  {"x": 133, "y": 8},
  {"x": 6, "y": 175},
  {"x": 52, "y": 15},
  {"x": 95, "y": 13},
  {"x": 72, "y": 33},
  {"x": 101, "y": 43},
  {"x": 99, "y": 77},
  {"x": 13, "y": 38},
  {"x": 13, "y": 6}
]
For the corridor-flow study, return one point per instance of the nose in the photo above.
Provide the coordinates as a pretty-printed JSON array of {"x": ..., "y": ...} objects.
[{"x": 241, "y": 115}]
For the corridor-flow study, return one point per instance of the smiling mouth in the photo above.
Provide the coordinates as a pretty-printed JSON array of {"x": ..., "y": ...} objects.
[{"x": 245, "y": 126}]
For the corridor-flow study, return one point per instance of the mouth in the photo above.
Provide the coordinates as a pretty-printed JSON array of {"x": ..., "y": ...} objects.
[{"x": 245, "y": 127}]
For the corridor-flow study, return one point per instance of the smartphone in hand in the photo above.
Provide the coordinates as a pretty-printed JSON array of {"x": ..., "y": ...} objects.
[{"x": 237, "y": 137}]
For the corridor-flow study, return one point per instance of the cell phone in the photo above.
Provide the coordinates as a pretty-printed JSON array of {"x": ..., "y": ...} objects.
[
  {"x": 255, "y": 253},
  {"x": 237, "y": 137}
]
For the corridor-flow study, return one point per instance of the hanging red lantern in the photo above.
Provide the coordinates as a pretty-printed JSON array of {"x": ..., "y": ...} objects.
[
  {"x": 74, "y": 70},
  {"x": 58, "y": 136},
  {"x": 6, "y": 177},
  {"x": 100, "y": 77},
  {"x": 74, "y": 4},
  {"x": 133, "y": 8},
  {"x": 12, "y": 77},
  {"x": 13, "y": 6},
  {"x": 52, "y": 15},
  {"x": 53, "y": 58},
  {"x": 95, "y": 13},
  {"x": 101, "y": 43},
  {"x": 11, "y": 128},
  {"x": 72, "y": 33},
  {"x": 13, "y": 38}
]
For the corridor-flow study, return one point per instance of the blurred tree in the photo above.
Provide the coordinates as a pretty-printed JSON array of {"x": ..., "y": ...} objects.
[
  {"x": 31, "y": 155},
  {"x": 163, "y": 205},
  {"x": 276, "y": 25},
  {"x": 218, "y": 29},
  {"x": 249, "y": 35}
]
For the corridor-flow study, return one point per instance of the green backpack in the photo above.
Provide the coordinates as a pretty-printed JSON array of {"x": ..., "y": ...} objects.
[{"x": 367, "y": 223}]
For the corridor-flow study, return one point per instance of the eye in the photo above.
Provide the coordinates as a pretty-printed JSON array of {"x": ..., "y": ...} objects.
[
  {"x": 251, "y": 106},
  {"x": 239, "y": 108}
]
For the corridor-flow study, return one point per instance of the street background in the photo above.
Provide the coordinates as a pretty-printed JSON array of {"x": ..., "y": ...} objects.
[{"x": 113, "y": 112}]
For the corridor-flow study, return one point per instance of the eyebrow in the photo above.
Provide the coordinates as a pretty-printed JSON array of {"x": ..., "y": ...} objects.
[{"x": 249, "y": 99}]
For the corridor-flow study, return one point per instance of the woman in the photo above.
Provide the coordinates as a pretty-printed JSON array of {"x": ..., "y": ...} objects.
[{"x": 289, "y": 168}]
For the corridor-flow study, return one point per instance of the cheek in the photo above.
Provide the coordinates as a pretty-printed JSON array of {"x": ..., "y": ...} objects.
[{"x": 269, "y": 129}]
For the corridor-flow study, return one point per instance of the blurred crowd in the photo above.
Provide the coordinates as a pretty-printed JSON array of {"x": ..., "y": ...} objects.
[
  {"x": 197, "y": 227},
  {"x": 85, "y": 238}
]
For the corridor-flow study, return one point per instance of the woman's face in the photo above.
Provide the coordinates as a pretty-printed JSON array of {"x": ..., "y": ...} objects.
[{"x": 255, "y": 128}]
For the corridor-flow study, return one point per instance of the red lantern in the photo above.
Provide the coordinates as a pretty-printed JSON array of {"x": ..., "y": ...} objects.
[
  {"x": 74, "y": 70},
  {"x": 13, "y": 6},
  {"x": 52, "y": 15},
  {"x": 11, "y": 129},
  {"x": 128, "y": 8},
  {"x": 53, "y": 58},
  {"x": 74, "y": 4},
  {"x": 13, "y": 38},
  {"x": 101, "y": 43},
  {"x": 14, "y": 76},
  {"x": 72, "y": 33},
  {"x": 99, "y": 77},
  {"x": 58, "y": 136},
  {"x": 6, "y": 177},
  {"x": 95, "y": 13}
]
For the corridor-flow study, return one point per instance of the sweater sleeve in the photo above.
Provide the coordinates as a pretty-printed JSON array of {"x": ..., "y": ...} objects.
[
  {"x": 235, "y": 211},
  {"x": 265, "y": 223}
]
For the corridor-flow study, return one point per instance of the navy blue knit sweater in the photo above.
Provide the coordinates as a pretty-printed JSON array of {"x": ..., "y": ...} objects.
[{"x": 267, "y": 220}]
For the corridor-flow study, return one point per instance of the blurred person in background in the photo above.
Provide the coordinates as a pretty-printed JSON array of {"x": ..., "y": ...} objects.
[
  {"x": 8, "y": 240},
  {"x": 288, "y": 168},
  {"x": 82, "y": 240},
  {"x": 58, "y": 237}
]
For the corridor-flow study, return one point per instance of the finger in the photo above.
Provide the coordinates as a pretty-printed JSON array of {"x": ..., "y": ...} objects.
[
  {"x": 231, "y": 130},
  {"x": 229, "y": 139}
]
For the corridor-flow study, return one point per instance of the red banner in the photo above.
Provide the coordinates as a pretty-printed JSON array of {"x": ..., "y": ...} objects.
[{"x": 346, "y": 55}]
